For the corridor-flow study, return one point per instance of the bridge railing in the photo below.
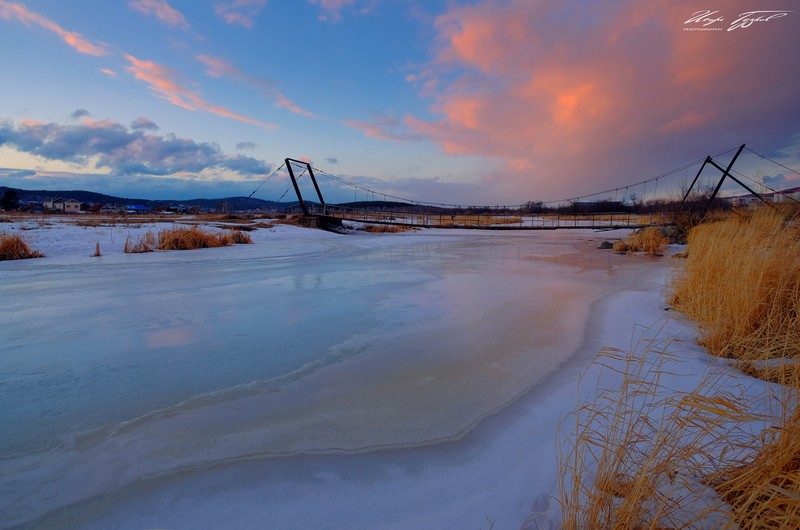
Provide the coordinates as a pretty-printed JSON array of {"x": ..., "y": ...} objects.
[{"x": 505, "y": 220}]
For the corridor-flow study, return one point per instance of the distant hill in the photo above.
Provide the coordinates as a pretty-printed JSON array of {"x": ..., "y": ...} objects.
[{"x": 232, "y": 204}]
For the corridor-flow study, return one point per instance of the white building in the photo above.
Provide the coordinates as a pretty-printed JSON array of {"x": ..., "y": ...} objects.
[{"x": 62, "y": 205}]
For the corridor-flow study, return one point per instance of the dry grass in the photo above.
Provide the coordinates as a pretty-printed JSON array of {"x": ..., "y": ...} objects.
[
  {"x": 13, "y": 246},
  {"x": 643, "y": 457},
  {"x": 638, "y": 456},
  {"x": 650, "y": 240},
  {"x": 382, "y": 229},
  {"x": 185, "y": 238},
  {"x": 742, "y": 286},
  {"x": 765, "y": 493},
  {"x": 145, "y": 243}
]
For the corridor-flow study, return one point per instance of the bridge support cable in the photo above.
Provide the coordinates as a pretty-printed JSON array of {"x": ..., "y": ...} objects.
[{"x": 265, "y": 181}]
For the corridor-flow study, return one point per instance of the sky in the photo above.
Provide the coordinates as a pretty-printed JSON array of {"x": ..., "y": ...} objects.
[{"x": 490, "y": 102}]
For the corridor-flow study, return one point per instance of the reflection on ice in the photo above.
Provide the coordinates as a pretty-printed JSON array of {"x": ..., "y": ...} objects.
[{"x": 159, "y": 364}]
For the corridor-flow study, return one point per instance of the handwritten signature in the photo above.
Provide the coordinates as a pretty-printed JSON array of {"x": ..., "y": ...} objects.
[{"x": 707, "y": 18}]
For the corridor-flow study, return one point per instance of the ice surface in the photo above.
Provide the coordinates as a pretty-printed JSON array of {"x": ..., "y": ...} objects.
[{"x": 308, "y": 380}]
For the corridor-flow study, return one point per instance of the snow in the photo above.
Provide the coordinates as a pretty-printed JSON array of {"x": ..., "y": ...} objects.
[{"x": 311, "y": 379}]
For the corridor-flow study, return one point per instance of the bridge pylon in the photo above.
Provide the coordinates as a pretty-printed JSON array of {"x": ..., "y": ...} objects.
[{"x": 289, "y": 162}]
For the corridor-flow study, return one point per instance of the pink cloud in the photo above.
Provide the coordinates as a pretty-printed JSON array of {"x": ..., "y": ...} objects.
[
  {"x": 163, "y": 81},
  {"x": 241, "y": 12},
  {"x": 168, "y": 85},
  {"x": 688, "y": 121},
  {"x": 385, "y": 127},
  {"x": 563, "y": 93},
  {"x": 109, "y": 72},
  {"x": 20, "y": 13},
  {"x": 331, "y": 8},
  {"x": 218, "y": 67},
  {"x": 161, "y": 10},
  {"x": 285, "y": 103}
]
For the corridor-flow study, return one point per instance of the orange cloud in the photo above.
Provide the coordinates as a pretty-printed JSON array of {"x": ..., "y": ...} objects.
[
  {"x": 20, "y": 13},
  {"x": 161, "y": 10},
  {"x": 564, "y": 92},
  {"x": 166, "y": 84}
]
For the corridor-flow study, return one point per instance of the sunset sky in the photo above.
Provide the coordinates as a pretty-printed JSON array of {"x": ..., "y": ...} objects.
[{"x": 463, "y": 102}]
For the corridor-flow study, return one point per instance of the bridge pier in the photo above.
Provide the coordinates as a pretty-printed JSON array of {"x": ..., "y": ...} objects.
[{"x": 323, "y": 222}]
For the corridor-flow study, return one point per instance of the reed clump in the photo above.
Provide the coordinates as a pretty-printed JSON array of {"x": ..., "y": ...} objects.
[
  {"x": 765, "y": 493},
  {"x": 386, "y": 229},
  {"x": 13, "y": 246},
  {"x": 650, "y": 240},
  {"x": 144, "y": 243},
  {"x": 637, "y": 455},
  {"x": 641, "y": 456},
  {"x": 742, "y": 287},
  {"x": 185, "y": 238}
]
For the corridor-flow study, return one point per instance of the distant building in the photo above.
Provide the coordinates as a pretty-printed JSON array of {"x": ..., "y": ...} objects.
[
  {"x": 62, "y": 205},
  {"x": 751, "y": 201},
  {"x": 137, "y": 208}
]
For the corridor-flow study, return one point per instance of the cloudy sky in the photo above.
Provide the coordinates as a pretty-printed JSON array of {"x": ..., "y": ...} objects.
[{"x": 454, "y": 101}]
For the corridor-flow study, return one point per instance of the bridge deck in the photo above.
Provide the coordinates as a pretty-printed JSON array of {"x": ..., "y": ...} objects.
[{"x": 496, "y": 221}]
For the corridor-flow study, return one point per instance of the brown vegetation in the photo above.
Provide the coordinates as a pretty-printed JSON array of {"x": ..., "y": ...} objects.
[
  {"x": 638, "y": 454},
  {"x": 643, "y": 457},
  {"x": 382, "y": 229},
  {"x": 742, "y": 286},
  {"x": 145, "y": 243},
  {"x": 650, "y": 240},
  {"x": 185, "y": 238},
  {"x": 13, "y": 246}
]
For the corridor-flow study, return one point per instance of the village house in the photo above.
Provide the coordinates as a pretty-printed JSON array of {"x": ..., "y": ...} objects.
[{"x": 62, "y": 205}]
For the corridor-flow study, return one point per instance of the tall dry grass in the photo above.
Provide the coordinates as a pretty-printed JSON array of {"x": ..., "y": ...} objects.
[
  {"x": 642, "y": 457},
  {"x": 13, "y": 246},
  {"x": 386, "y": 229},
  {"x": 765, "y": 492},
  {"x": 185, "y": 238},
  {"x": 638, "y": 456},
  {"x": 650, "y": 240},
  {"x": 742, "y": 287},
  {"x": 144, "y": 243}
]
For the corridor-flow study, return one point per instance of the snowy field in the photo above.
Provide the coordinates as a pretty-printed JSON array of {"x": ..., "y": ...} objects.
[{"x": 311, "y": 379}]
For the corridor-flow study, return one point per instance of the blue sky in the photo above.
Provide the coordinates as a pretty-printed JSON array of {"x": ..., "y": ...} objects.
[{"x": 480, "y": 102}]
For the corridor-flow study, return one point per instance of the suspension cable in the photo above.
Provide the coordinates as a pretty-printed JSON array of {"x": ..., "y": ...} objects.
[
  {"x": 773, "y": 161},
  {"x": 669, "y": 173},
  {"x": 265, "y": 180}
]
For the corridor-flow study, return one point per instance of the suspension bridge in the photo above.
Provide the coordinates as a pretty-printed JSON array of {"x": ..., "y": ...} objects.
[{"x": 653, "y": 201}]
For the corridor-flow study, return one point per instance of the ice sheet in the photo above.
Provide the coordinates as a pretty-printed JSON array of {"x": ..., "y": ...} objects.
[{"x": 194, "y": 385}]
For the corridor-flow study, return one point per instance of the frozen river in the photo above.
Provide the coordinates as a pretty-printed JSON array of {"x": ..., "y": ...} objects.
[{"x": 128, "y": 378}]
